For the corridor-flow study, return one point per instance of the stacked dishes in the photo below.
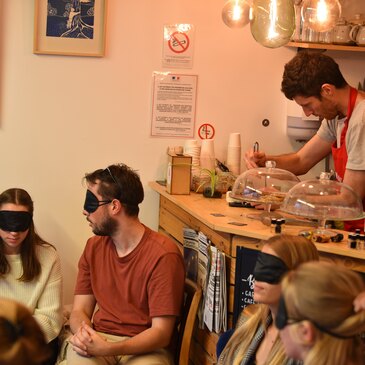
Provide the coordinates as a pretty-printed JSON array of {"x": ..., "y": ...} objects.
[
  {"x": 191, "y": 148},
  {"x": 207, "y": 156},
  {"x": 234, "y": 153}
]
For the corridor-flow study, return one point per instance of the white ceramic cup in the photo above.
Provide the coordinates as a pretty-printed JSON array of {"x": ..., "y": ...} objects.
[
  {"x": 341, "y": 34},
  {"x": 357, "y": 34}
]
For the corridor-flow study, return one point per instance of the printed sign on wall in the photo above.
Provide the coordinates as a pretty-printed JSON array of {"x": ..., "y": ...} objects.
[
  {"x": 178, "y": 46},
  {"x": 173, "y": 105}
]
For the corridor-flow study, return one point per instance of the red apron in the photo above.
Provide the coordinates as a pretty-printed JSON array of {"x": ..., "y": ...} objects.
[{"x": 340, "y": 158}]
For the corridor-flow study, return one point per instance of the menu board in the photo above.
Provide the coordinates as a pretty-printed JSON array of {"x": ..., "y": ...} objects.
[{"x": 244, "y": 280}]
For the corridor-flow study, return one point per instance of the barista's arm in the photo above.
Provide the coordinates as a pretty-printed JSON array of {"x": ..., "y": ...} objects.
[
  {"x": 299, "y": 162},
  {"x": 356, "y": 179}
]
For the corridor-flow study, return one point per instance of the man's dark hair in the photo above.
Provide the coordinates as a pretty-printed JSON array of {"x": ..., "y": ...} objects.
[
  {"x": 305, "y": 74},
  {"x": 119, "y": 182}
]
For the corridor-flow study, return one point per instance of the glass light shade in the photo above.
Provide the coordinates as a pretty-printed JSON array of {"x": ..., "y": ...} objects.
[
  {"x": 235, "y": 13},
  {"x": 272, "y": 22},
  {"x": 265, "y": 185},
  {"x": 321, "y": 15},
  {"x": 323, "y": 199}
]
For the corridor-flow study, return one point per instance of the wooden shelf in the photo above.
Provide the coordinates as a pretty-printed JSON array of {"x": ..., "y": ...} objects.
[{"x": 325, "y": 46}]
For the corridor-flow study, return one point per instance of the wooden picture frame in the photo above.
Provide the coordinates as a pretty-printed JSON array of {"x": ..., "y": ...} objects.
[{"x": 71, "y": 27}]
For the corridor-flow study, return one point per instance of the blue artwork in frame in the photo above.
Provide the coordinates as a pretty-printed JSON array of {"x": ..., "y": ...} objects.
[{"x": 70, "y": 19}]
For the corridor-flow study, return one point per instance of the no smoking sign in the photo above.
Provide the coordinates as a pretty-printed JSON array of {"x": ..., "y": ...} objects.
[
  {"x": 206, "y": 131},
  {"x": 178, "y": 45},
  {"x": 179, "y": 42}
]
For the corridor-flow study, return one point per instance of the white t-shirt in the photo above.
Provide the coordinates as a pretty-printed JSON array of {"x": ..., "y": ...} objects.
[{"x": 330, "y": 131}]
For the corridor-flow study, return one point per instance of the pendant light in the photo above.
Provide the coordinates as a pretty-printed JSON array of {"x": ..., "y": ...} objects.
[
  {"x": 272, "y": 22},
  {"x": 321, "y": 15},
  {"x": 235, "y": 13}
]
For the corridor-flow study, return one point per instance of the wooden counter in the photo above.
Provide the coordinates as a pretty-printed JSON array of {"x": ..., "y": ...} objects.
[{"x": 214, "y": 217}]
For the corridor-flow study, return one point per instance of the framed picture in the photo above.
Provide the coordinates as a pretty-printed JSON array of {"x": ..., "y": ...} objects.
[{"x": 70, "y": 27}]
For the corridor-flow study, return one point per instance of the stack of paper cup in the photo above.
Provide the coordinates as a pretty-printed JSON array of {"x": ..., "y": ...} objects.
[
  {"x": 234, "y": 153},
  {"x": 191, "y": 148},
  {"x": 207, "y": 157}
]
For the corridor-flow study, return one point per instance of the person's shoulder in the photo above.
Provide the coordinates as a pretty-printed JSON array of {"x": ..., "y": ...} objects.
[
  {"x": 164, "y": 243},
  {"x": 97, "y": 244},
  {"x": 46, "y": 249}
]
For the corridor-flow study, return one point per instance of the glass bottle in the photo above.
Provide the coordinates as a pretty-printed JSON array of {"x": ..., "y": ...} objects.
[{"x": 352, "y": 241}]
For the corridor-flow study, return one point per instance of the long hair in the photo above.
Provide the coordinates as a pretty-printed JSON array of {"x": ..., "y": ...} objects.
[
  {"x": 21, "y": 339},
  {"x": 323, "y": 293},
  {"x": 30, "y": 263},
  {"x": 293, "y": 250}
]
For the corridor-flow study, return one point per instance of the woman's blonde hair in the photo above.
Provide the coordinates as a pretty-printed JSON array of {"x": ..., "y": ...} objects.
[
  {"x": 323, "y": 293},
  {"x": 22, "y": 342},
  {"x": 293, "y": 250}
]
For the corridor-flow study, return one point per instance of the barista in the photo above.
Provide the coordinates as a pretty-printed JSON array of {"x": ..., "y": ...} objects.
[{"x": 315, "y": 82}]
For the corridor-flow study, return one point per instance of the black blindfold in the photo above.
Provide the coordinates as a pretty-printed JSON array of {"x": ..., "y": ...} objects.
[
  {"x": 269, "y": 268},
  {"x": 92, "y": 203},
  {"x": 15, "y": 221}
]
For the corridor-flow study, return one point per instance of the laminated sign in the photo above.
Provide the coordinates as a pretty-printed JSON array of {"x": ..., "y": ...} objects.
[{"x": 178, "y": 46}]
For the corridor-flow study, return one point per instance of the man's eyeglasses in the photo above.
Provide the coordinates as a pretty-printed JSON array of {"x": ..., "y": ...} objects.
[{"x": 92, "y": 203}]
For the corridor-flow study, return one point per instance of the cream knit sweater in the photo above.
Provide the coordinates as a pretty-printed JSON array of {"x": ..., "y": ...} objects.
[{"x": 43, "y": 296}]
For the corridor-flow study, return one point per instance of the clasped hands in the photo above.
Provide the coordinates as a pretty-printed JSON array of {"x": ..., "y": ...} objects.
[{"x": 87, "y": 342}]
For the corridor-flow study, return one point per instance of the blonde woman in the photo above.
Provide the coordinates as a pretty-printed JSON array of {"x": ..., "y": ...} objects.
[
  {"x": 316, "y": 316},
  {"x": 21, "y": 339},
  {"x": 256, "y": 340}
]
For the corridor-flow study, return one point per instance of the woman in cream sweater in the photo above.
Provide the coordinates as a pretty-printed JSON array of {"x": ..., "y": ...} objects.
[{"x": 30, "y": 270}]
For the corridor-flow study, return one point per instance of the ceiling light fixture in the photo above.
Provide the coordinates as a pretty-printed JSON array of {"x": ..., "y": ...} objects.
[
  {"x": 321, "y": 15},
  {"x": 235, "y": 13}
]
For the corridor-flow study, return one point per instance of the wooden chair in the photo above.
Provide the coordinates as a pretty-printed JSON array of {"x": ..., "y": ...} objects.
[{"x": 192, "y": 296}]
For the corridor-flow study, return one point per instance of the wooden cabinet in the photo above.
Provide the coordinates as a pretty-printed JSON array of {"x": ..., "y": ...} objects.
[{"x": 199, "y": 213}]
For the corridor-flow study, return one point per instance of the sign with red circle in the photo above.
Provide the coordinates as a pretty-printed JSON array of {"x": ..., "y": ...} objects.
[
  {"x": 206, "y": 131},
  {"x": 179, "y": 42}
]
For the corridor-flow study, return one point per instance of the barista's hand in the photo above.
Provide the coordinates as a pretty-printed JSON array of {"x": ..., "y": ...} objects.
[
  {"x": 359, "y": 302},
  {"x": 254, "y": 159}
]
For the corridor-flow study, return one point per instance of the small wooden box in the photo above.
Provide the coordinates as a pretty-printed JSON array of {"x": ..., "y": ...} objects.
[{"x": 178, "y": 174}]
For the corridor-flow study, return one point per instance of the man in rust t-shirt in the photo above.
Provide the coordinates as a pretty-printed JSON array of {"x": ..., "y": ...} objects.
[{"x": 130, "y": 284}]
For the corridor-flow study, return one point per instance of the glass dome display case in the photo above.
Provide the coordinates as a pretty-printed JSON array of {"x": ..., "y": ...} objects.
[
  {"x": 264, "y": 185},
  {"x": 323, "y": 200}
]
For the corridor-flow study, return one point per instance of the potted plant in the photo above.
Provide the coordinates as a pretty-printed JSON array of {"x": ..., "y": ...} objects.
[{"x": 211, "y": 190}]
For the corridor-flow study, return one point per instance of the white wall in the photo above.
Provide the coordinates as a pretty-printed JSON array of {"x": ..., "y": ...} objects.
[{"x": 63, "y": 116}]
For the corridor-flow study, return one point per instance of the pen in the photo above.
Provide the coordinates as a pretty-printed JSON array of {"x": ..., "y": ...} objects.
[{"x": 256, "y": 147}]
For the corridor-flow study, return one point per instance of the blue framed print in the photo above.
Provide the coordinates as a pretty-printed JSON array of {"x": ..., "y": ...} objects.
[{"x": 70, "y": 27}]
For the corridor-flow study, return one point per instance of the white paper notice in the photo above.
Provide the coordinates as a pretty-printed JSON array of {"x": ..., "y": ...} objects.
[
  {"x": 173, "y": 105},
  {"x": 178, "y": 46}
]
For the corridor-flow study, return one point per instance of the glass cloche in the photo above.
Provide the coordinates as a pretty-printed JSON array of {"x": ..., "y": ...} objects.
[
  {"x": 264, "y": 185},
  {"x": 323, "y": 199}
]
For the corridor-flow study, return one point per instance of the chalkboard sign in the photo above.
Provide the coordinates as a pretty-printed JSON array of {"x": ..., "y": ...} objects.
[{"x": 244, "y": 280}]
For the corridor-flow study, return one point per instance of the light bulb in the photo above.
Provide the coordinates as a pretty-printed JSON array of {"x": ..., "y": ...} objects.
[
  {"x": 321, "y": 15},
  {"x": 272, "y": 22},
  {"x": 235, "y": 13}
]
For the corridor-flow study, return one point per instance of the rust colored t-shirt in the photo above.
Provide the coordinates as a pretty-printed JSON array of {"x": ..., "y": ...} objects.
[{"x": 131, "y": 290}]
